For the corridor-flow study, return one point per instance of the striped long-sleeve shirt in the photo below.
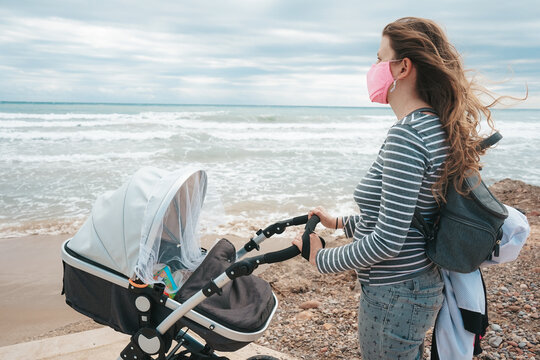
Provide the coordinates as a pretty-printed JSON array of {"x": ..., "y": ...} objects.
[{"x": 385, "y": 248}]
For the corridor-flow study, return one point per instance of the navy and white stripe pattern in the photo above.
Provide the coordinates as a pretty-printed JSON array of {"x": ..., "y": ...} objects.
[{"x": 385, "y": 248}]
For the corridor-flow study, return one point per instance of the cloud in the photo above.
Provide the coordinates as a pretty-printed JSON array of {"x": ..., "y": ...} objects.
[{"x": 264, "y": 52}]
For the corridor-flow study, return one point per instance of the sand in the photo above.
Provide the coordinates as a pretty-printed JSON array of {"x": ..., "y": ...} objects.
[{"x": 31, "y": 303}]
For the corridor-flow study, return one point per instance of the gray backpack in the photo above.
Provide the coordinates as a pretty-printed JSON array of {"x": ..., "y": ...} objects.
[{"x": 468, "y": 229}]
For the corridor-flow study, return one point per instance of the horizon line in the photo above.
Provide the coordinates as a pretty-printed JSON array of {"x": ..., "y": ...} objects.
[
  {"x": 202, "y": 104},
  {"x": 178, "y": 104}
]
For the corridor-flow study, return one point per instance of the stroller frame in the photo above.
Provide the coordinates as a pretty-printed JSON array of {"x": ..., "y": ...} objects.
[{"x": 149, "y": 341}]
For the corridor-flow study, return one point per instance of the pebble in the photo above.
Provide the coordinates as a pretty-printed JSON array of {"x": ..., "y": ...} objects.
[
  {"x": 327, "y": 326},
  {"x": 523, "y": 286},
  {"x": 495, "y": 341},
  {"x": 496, "y": 327}
]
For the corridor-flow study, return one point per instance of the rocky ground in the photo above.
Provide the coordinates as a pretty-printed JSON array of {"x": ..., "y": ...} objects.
[{"x": 316, "y": 318}]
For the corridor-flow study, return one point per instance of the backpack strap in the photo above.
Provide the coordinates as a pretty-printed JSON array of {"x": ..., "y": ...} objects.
[
  {"x": 490, "y": 141},
  {"x": 418, "y": 222}
]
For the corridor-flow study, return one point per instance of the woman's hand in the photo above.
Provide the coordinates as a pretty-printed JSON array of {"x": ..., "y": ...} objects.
[
  {"x": 315, "y": 246},
  {"x": 327, "y": 220}
]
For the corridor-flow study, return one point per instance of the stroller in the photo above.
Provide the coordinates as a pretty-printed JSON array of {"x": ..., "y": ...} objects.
[{"x": 147, "y": 227}]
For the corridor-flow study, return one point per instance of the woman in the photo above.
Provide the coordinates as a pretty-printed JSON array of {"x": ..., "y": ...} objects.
[{"x": 420, "y": 74}]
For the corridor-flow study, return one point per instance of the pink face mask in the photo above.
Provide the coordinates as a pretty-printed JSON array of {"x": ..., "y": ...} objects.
[{"x": 379, "y": 79}]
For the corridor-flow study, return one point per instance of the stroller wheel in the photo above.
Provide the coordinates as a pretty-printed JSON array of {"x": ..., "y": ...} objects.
[{"x": 262, "y": 357}]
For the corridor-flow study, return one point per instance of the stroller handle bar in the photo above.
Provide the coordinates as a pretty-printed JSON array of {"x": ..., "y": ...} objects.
[
  {"x": 247, "y": 266},
  {"x": 276, "y": 228}
]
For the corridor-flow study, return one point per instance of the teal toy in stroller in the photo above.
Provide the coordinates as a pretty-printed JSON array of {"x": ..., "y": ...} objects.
[{"x": 135, "y": 267}]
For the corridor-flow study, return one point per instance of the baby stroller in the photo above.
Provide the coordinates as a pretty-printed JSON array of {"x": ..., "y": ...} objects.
[{"x": 148, "y": 225}]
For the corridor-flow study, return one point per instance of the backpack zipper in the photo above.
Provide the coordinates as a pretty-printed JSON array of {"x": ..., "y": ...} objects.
[{"x": 453, "y": 216}]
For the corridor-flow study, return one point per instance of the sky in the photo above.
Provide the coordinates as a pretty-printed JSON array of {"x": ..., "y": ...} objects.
[{"x": 258, "y": 52}]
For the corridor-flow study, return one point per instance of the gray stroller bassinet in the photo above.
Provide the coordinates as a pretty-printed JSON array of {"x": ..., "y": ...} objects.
[{"x": 137, "y": 267}]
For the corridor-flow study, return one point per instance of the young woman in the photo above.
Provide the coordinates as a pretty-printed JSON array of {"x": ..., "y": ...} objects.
[{"x": 420, "y": 74}]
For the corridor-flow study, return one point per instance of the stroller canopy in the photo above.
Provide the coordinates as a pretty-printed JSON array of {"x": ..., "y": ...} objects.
[{"x": 150, "y": 219}]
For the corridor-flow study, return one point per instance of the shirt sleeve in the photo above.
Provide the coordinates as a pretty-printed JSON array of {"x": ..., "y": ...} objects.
[
  {"x": 404, "y": 160},
  {"x": 349, "y": 224}
]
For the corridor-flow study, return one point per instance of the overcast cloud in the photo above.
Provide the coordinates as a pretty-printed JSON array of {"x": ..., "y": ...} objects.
[{"x": 244, "y": 52}]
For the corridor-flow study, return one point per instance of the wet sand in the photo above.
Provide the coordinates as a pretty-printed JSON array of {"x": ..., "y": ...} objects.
[{"x": 30, "y": 288}]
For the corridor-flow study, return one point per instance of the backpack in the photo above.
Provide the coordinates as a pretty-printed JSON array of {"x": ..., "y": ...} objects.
[{"x": 468, "y": 229}]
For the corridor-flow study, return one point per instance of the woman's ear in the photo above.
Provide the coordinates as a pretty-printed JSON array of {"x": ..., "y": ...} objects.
[{"x": 405, "y": 68}]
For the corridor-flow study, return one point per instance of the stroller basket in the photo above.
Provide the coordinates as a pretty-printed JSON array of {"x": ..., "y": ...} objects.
[{"x": 105, "y": 271}]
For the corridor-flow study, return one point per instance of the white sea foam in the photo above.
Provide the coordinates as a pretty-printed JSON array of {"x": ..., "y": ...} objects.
[
  {"x": 92, "y": 135},
  {"x": 108, "y": 116},
  {"x": 78, "y": 158},
  {"x": 268, "y": 163},
  {"x": 191, "y": 120}
]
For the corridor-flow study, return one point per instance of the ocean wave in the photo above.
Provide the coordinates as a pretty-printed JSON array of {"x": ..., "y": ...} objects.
[
  {"x": 107, "y": 116},
  {"x": 289, "y": 136},
  {"x": 193, "y": 120},
  {"x": 78, "y": 158},
  {"x": 40, "y": 227},
  {"x": 91, "y": 135}
]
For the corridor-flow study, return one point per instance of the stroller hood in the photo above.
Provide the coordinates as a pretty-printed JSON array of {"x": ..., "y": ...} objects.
[{"x": 127, "y": 226}]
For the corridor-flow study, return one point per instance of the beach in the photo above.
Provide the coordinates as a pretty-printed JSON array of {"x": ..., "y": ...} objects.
[
  {"x": 33, "y": 307},
  {"x": 264, "y": 164}
]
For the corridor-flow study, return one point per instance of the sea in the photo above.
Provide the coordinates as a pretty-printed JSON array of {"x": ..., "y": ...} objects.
[{"x": 264, "y": 163}]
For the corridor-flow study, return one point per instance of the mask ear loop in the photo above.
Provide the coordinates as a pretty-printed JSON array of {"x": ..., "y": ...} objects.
[
  {"x": 395, "y": 81},
  {"x": 394, "y": 86}
]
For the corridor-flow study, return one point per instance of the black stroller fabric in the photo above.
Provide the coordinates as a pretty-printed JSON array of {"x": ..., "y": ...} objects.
[{"x": 245, "y": 304}]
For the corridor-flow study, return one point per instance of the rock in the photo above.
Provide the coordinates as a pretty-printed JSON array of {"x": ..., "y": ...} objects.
[
  {"x": 522, "y": 344},
  {"x": 523, "y": 286},
  {"x": 327, "y": 326},
  {"x": 496, "y": 327},
  {"x": 514, "y": 308},
  {"x": 503, "y": 289},
  {"x": 495, "y": 341},
  {"x": 304, "y": 315},
  {"x": 311, "y": 304}
]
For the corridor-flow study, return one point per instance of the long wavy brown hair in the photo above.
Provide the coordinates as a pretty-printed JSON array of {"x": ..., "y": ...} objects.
[{"x": 441, "y": 82}]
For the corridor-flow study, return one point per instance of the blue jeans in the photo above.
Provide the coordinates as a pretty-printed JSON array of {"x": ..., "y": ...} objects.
[{"x": 393, "y": 319}]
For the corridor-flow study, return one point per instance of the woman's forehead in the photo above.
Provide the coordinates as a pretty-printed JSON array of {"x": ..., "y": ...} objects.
[{"x": 385, "y": 49}]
